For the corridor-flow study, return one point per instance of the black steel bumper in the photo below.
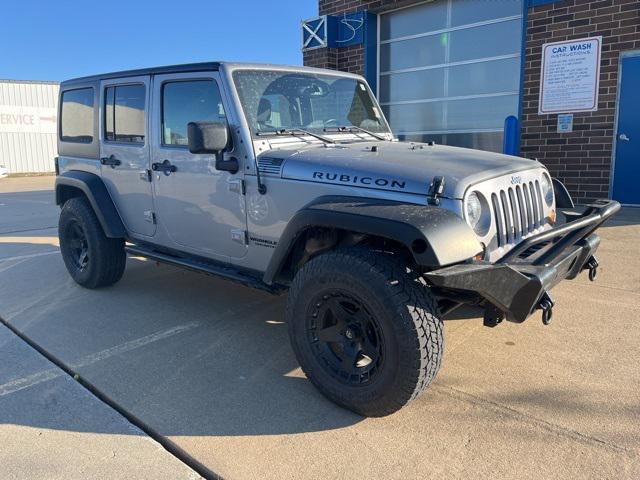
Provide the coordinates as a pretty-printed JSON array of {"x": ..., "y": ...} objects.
[{"x": 518, "y": 284}]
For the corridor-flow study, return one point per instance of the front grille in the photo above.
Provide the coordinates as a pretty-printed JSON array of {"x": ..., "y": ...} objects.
[{"x": 517, "y": 211}]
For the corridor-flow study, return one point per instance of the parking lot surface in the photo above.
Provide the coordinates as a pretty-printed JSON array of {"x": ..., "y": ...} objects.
[{"x": 207, "y": 365}]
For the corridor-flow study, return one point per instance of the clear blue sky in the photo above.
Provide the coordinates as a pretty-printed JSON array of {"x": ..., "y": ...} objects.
[{"x": 60, "y": 39}]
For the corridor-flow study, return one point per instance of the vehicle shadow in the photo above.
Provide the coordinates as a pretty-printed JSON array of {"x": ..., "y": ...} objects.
[{"x": 185, "y": 353}]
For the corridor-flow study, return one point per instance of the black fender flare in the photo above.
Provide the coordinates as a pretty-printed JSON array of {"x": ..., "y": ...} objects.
[
  {"x": 92, "y": 186},
  {"x": 563, "y": 197},
  {"x": 435, "y": 237}
]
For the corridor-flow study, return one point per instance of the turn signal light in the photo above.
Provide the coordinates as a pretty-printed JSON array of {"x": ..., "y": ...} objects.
[
  {"x": 552, "y": 216},
  {"x": 482, "y": 254}
]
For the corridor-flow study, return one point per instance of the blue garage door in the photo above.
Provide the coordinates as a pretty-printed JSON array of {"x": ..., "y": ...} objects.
[{"x": 450, "y": 70}]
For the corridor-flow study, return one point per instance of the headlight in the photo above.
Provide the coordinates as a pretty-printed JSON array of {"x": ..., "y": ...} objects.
[
  {"x": 473, "y": 209},
  {"x": 477, "y": 213},
  {"x": 547, "y": 189}
]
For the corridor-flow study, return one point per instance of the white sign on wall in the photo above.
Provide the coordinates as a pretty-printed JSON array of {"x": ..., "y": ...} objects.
[
  {"x": 569, "y": 76},
  {"x": 18, "y": 119}
]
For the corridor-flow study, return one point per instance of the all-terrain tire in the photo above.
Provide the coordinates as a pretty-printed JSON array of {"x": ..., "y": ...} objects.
[
  {"x": 398, "y": 311},
  {"x": 79, "y": 230}
]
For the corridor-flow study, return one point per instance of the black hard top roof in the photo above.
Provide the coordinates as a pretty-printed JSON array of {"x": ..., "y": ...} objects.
[{"x": 186, "y": 67}]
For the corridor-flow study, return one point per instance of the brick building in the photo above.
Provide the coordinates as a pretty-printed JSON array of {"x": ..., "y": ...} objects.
[{"x": 453, "y": 71}]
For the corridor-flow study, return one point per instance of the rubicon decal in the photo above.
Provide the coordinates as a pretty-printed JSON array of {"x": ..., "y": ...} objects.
[{"x": 358, "y": 180}]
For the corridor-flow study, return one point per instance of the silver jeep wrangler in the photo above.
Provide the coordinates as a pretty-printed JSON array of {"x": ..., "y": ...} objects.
[{"x": 287, "y": 178}]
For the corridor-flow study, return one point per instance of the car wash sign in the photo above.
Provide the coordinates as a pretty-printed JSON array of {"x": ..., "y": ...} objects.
[
  {"x": 19, "y": 119},
  {"x": 570, "y": 76}
]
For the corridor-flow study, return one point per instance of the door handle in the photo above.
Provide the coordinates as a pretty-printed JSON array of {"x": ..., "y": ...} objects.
[
  {"x": 623, "y": 137},
  {"x": 111, "y": 160},
  {"x": 164, "y": 167}
]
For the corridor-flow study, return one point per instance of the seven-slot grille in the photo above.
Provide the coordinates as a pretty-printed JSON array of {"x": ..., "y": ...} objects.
[{"x": 517, "y": 211}]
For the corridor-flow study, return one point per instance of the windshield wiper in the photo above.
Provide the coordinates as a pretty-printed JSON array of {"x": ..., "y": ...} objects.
[
  {"x": 298, "y": 132},
  {"x": 351, "y": 128}
]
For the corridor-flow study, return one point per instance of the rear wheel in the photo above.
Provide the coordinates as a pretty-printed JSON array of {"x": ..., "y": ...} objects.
[
  {"x": 365, "y": 331},
  {"x": 92, "y": 259}
]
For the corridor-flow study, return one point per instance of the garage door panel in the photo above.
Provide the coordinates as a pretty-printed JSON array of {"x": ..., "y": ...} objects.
[
  {"x": 415, "y": 117},
  {"x": 415, "y": 20},
  {"x": 484, "y": 77},
  {"x": 485, "y": 41},
  {"x": 417, "y": 52},
  {"x": 412, "y": 85},
  {"x": 477, "y": 113},
  {"x": 472, "y": 11}
]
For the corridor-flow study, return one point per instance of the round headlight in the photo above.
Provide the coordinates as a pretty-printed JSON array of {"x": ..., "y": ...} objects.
[
  {"x": 473, "y": 210},
  {"x": 477, "y": 213},
  {"x": 547, "y": 189}
]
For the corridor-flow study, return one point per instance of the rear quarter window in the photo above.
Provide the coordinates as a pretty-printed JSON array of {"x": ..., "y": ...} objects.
[{"x": 77, "y": 115}]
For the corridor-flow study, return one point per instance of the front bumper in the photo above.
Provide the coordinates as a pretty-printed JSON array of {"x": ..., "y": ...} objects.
[{"x": 518, "y": 284}]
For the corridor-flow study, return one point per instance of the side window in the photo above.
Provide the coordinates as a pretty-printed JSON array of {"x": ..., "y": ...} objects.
[
  {"x": 124, "y": 113},
  {"x": 76, "y": 123},
  {"x": 188, "y": 101}
]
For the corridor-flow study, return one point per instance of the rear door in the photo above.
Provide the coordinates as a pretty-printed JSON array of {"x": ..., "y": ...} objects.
[
  {"x": 200, "y": 209},
  {"x": 124, "y": 151}
]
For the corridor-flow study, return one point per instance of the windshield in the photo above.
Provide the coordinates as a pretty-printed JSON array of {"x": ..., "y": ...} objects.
[{"x": 275, "y": 100}]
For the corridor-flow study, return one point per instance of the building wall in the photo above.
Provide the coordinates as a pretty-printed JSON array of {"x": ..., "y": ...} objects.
[
  {"x": 28, "y": 112},
  {"x": 582, "y": 158}
]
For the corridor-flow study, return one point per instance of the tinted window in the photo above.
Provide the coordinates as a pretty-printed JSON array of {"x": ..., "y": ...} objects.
[
  {"x": 76, "y": 123},
  {"x": 124, "y": 113},
  {"x": 184, "y": 102}
]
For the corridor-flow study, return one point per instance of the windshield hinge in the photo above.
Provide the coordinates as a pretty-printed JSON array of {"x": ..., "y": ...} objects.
[
  {"x": 237, "y": 186},
  {"x": 436, "y": 189}
]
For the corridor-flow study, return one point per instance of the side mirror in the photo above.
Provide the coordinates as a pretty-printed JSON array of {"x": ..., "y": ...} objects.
[
  {"x": 207, "y": 137},
  {"x": 211, "y": 137}
]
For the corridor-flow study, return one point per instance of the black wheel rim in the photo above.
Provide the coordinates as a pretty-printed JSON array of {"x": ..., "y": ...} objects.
[
  {"x": 78, "y": 246},
  {"x": 345, "y": 338}
]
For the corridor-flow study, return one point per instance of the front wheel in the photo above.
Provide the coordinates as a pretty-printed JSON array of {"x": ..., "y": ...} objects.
[
  {"x": 92, "y": 259},
  {"x": 366, "y": 333}
]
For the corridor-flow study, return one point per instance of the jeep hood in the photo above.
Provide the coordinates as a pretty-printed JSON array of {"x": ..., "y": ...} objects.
[{"x": 394, "y": 166}]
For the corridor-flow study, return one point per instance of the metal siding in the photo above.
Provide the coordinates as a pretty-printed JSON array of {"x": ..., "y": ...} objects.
[{"x": 28, "y": 152}]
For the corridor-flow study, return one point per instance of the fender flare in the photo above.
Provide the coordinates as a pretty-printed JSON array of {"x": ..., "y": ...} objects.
[
  {"x": 92, "y": 186},
  {"x": 435, "y": 237},
  {"x": 563, "y": 197}
]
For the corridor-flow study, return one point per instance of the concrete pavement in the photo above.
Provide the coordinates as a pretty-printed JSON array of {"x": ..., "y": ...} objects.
[
  {"x": 207, "y": 364},
  {"x": 51, "y": 427}
]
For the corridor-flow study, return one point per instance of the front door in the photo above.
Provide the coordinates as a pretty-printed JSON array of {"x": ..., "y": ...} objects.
[
  {"x": 124, "y": 151},
  {"x": 200, "y": 209},
  {"x": 626, "y": 175}
]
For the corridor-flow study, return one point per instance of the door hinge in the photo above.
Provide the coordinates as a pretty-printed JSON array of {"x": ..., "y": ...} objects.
[
  {"x": 145, "y": 175},
  {"x": 240, "y": 236},
  {"x": 237, "y": 186},
  {"x": 150, "y": 216}
]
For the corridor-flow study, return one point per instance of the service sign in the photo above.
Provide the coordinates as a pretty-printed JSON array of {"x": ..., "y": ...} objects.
[
  {"x": 19, "y": 119},
  {"x": 570, "y": 75}
]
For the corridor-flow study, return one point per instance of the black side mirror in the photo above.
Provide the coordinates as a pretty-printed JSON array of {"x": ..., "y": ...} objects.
[
  {"x": 211, "y": 137},
  {"x": 207, "y": 137}
]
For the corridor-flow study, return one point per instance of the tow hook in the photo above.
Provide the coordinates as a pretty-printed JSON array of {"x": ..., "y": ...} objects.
[
  {"x": 546, "y": 305},
  {"x": 492, "y": 316},
  {"x": 592, "y": 265}
]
